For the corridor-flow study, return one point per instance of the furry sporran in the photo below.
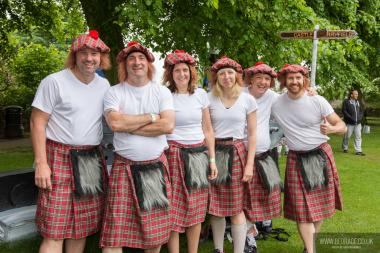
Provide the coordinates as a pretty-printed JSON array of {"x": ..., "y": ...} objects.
[
  {"x": 313, "y": 168},
  {"x": 88, "y": 171},
  {"x": 150, "y": 186},
  {"x": 196, "y": 165},
  {"x": 268, "y": 171},
  {"x": 224, "y": 156}
]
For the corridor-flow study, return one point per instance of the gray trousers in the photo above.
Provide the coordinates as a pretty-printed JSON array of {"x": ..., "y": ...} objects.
[{"x": 357, "y": 130}]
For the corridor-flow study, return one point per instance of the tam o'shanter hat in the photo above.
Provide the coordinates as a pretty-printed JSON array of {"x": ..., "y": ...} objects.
[
  {"x": 134, "y": 46},
  {"x": 260, "y": 67},
  {"x": 178, "y": 56},
  {"x": 226, "y": 62},
  {"x": 291, "y": 68},
  {"x": 90, "y": 40}
]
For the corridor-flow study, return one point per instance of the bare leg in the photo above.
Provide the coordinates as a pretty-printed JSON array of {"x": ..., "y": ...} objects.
[
  {"x": 75, "y": 245},
  {"x": 317, "y": 225},
  {"x": 307, "y": 230},
  {"x": 51, "y": 246},
  {"x": 173, "y": 243},
  {"x": 112, "y": 250},
  {"x": 154, "y": 250},
  {"x": 239, "y": 232},
  {"x": 192, "y": 235}
]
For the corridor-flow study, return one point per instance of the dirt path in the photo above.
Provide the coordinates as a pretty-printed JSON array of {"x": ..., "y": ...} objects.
[{"x": 15, "y": 143}]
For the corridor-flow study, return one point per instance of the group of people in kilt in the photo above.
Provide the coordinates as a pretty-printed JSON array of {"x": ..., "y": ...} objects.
[{"x": 180, "y": 152}]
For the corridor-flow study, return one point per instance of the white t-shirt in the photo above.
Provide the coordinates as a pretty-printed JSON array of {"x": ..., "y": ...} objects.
[
  {"x": 301, "y": 120},
  {"x": 128, "y": 99},
  {"x": 188, "y": 117},
  {"x": 75, "y": 108},
  {"x": 263, "y": 113},
  {"x": 231, "y": 122}
]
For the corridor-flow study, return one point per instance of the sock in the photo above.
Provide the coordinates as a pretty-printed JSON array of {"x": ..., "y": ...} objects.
[
  {"x": 239, "y": 233},
  {"x": 218, "y": 226}
]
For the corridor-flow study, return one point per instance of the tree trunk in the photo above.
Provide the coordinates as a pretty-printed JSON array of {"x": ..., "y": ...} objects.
[{"x": 100, "y": 15}]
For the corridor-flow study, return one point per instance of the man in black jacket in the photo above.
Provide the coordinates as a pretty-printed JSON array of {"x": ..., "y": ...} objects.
[{"x": 353, "y": 114}]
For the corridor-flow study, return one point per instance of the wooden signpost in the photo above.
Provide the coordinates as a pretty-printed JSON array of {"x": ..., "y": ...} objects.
[{"x": 316, "y": 35}]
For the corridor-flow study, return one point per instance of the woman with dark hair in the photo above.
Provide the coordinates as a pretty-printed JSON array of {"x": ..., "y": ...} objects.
[
  {"x": 231, "y": 110},
  {"x": 191, "y": 152}
]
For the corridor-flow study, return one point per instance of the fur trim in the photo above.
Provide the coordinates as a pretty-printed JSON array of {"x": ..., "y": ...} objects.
[
  {"x": 224, "y": 155},
  {"x": 268, "y": 171},
  {"x": 313, "y": 168},
  {"x": 87, "y": 170},
  {"x": 150, "y": 185},
  {"x": 196, "y": 167}
]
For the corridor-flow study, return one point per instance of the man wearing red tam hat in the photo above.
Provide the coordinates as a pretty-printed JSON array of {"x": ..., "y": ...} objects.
[
  {"x": 312, "y": 189},
  {"x": 140, "y": 112},
  {"x": 66, "y": 129}
]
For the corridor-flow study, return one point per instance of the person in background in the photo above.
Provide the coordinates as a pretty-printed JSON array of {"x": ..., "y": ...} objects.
[
  {"x": 353, "y": 113},
  {"x": 66, "y": 130}
]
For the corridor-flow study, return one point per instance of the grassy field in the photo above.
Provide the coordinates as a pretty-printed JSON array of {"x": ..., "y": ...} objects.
[{"x": 360, "y": 180}]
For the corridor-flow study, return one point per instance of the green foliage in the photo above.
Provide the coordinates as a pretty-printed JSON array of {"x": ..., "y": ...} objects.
[{"x": 31, "y": 64}]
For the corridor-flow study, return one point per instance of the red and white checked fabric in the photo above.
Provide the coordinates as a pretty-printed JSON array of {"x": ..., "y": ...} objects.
[
  {"x": 188, "y": 209},
  {"x": 259, "y": 203},
  {"x": 60, "y": 214},
  {"x": 90, "y": 40},
  {"x": 228, "y": 200},
  {"x": 124, "y": 223},
  {"x": 309, "y": 206}
]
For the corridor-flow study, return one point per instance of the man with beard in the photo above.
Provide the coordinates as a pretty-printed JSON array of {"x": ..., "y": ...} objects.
[{"x": 312, "y": 189}]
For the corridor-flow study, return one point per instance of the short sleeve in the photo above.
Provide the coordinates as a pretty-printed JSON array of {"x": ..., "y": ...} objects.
[
  {"x": 111, "y": 100},
  {"x": 47, "y": 95},
  {"x": 166, "y": 100},
  {"x": 205, "y": 102},
  {"x": 251, "y": 103},
  {"x": 326, "y": 108}
]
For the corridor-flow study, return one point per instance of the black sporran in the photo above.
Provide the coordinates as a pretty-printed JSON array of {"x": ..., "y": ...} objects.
[
  {"x": 313, "y": 168},
  {"x": 268, "y": 171},
  {"x": 196, "y": 164},
  {"x": 224, "y": 156},
  {"x": 88, "y": 171},
  {"x": 150, "y": 186}
]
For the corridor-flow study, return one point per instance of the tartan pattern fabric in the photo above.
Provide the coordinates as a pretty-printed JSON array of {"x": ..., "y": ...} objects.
[
  {"x": 134, "y": 46},
  {"x": 91, "y": 41},
  {"x": 260, "y": 204},
  {"x": 178, "y": 56},
  {"x": 228, "y": 200},
  {"x": 301, "y": 205},
  {"x": 226, "y": 62},
  {"x": 124, "y": 223},
  {"x": 290, "y": 68},
  {"x": 188, "y": 209},
  {"x": 60, "y": 214}
]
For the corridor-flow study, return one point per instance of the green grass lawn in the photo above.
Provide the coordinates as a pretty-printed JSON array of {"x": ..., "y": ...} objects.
[{"x": 360, "y": 181}]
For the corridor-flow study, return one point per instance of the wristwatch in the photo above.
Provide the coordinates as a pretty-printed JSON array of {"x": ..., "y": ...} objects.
[{"x": 153, "y": 117}]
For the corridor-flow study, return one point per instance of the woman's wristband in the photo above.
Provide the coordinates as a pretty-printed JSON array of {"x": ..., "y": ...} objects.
[{"x": 212, "y": 160}]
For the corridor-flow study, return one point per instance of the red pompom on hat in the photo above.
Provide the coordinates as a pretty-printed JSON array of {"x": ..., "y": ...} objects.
[
  {"x": 226, "y": 62},
  {"x": 259, "y": 63},
  {"x": 291, "y": 68},
  {"x": 90, "y": 40},
  {"x": 178, "y": 56},
  {"x": 134, "y": 46}
]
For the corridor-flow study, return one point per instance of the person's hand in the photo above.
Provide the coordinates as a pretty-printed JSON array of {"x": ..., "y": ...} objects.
[
  {"x": 42, "y": 176},
  {"x": 213, "y": 171},
  {"x": 326, "y": 128},
  {"x": 248, "y": 174}
]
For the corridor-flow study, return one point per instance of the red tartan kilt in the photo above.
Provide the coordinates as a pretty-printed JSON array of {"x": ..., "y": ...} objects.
[
  {"x": 228, "y": 200},
  {"x": 188, "y": 209},
  {"x": 261, "y": 205},
  {"x": 310, "y": 206},
  {"x": 124, "y": 223},
  {"x": 60, "y": 214}
]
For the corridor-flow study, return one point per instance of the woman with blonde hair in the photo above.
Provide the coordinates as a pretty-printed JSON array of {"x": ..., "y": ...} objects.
[{"x": 231, "y": 110}]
